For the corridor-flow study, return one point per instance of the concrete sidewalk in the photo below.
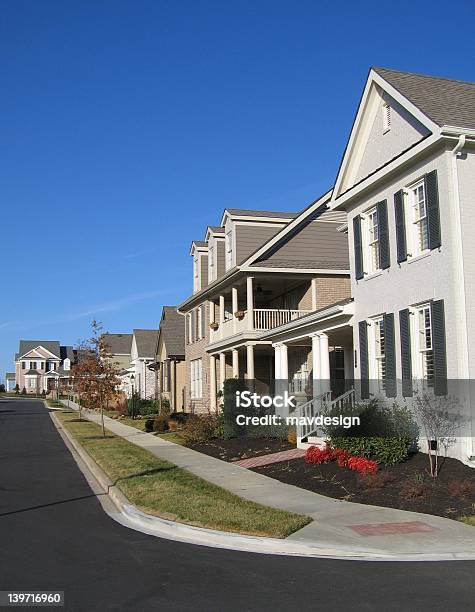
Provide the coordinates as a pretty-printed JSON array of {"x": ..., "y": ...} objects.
[{"x": 338, "y": 524}]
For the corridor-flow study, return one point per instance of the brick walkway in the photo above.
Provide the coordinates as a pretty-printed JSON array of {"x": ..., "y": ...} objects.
[
  {"x": 293, "y": 453},
  {"x": 372, "y": 529}
]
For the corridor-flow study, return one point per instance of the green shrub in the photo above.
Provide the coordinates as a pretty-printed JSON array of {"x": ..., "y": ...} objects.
[
  {"x": 164, "y": 406},
  {"x": 23, "y": 391},
  {"x": 279, "y": 432},
  {"x": 200, "y": 428},
  {"x": 149, "y": 425},
  {"x": 230, "y": 411},
  {"x": 160, "y": 423},
  {"x": 2, "y": 388},
  {"x": 385, "y": 450},
  {"x": 180, "y": 417},
  {"x": 145, "y": 407}
]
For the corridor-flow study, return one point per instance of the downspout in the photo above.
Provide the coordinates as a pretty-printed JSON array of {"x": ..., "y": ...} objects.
[{"x": 461, "y": 280}]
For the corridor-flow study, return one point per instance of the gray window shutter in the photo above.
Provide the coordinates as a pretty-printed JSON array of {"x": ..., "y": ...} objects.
[
  {"x": 384, "y": 253},
  {"x": 358, "y": 247},
  {"x": 364, "y": 371},
  {"x": 433, "y": 215},
  {"x": 389, "y": 355},
  {"x": 203, "y": 321},
  {"x": 187, "y": 329},
  {"x": 439, "y": 347},
  {"x": 400, "y": 226},
  {"x": 406, "y": 354}
]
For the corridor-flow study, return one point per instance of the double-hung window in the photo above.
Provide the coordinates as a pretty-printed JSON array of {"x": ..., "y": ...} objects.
[
  {"x": 420, "y": 221},
  {"x": 379, "y": 352},
  {"x": 196, "y": 274},
  {"x": 229, "y": 249},
  {"x": 371, "y": 254},
  {"x": 196, "y": 377},
  {"x": 425, "y": 348},
  {"x": 211, "y": 266}
]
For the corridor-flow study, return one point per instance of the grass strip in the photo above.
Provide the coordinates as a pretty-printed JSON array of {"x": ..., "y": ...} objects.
[{"x": 163, "y": 489}]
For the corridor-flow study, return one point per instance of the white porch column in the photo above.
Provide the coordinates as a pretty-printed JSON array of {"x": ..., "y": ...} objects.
[
  {"x": 324, "y": 363},
  {"x": 235, "y": 354},
  {"x": 250, "y": 302},
  {"x": 250, "y": 361},
  {"x": 277, "y": 367},
  {"x": 222, "y": 370},
  {"x": 234, "y": 295},
  {"x": 221, "y": 316},
  {"x": 284, "y": 363},
  {"x": 316, "y": 361},
  {"x": 212, "y": 382},
  {"x": 314, "y": 293}
]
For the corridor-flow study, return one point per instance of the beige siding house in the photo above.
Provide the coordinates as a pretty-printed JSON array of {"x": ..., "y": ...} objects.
[
  {"x": 43, "y": 365},
  {"x": 170, "y": 364}
]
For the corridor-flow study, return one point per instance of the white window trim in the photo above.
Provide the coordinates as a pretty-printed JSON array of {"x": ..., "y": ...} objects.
[
  {"x": 229, "y": 242},
  {"x": 196, "y": 378},
  {"x": 211, "y": 262},
  {"x": 373, "y": 359},
  {"x": 196, "y": 272},
  {"x": 365, "y": 235},
  {"x": 412, "y": 245},
  {"x": 416, "y": 351}
]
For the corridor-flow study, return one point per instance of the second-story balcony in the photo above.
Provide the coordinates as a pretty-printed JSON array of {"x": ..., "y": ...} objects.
[{"x": 261, "y": 319}]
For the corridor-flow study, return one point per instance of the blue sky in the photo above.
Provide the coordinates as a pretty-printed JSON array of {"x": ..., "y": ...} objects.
[{"x": 127, "y": 127}]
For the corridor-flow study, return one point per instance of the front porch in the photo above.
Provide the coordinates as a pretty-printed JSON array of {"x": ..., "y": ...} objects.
[{"x": 307, "y": 358}]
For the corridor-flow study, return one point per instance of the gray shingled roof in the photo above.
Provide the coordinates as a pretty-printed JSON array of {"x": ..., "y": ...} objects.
[
  {"x": 200, "y": 243},
  {"x": 67, "y": 352},
  {"x": 118, "y": 344},
  {"x": 445, "y": 101},
  {"x": 146, "y": 340},
  {"x": 172, "y": 330},
  {"x": 300, "y": 264},
  {"x": 243, "y": 212},
  {"x": 10, "y": 375},
  {"x": 216, "y": 229},
  {"x": 29, "y": 345}
]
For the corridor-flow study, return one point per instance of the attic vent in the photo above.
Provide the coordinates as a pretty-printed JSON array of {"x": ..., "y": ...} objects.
[{"x": 386, "y": 118}]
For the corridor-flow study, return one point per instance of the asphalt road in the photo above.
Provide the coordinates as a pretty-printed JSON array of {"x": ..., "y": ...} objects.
[{"x": 54, "y": 535}]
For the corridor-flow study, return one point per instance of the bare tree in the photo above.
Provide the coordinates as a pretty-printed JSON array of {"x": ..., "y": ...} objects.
[{"x": 440, "y": 417}]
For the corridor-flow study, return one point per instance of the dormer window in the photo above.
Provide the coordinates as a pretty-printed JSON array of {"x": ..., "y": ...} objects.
[
  {"x": 386, "y": 110},
  {"x": 211, "y": 264},
  {"x": 196, "y": 273},
  {"x": 67, "y": 364},
  {"x": 229, "y": 249}
]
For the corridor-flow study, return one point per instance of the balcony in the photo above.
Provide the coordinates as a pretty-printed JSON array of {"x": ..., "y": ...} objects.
[
  {"x": 268, "y": 318},
  {"x": 262, "y": 319}
]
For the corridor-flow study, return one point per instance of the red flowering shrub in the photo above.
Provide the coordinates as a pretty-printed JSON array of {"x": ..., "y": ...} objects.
[
  {"x": 362, "y": 465},
  {"x": 341, "y": 457},
  {"x": 318, "y": 455}
]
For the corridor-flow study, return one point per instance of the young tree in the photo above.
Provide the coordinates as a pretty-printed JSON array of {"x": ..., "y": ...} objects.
[
  {"x": 441, "y": 419},
  {"x": 95, "y": 376}
]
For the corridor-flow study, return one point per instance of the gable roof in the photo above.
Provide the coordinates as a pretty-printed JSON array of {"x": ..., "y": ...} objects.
[
  {"x": 10, "y": 375},
  {"x": 118, "y": 344},
  {"x": 172, "y": 331},
  {"x": 146, "y": 340},
  {"x": 245, "y": 212},
  {"x": 216, "y": 229},
  {"x": 444, "y": 101},
  {"x": 28, "y": 345}
]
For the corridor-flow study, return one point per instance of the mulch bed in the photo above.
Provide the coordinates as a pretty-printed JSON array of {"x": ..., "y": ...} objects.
[
  {"x": 241, "y": 448},
  {"x": 407, "y": 486}
]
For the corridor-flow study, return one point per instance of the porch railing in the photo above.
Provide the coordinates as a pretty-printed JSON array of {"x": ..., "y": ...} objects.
[
  {"x": 318, "y": 405},
  {"x": 268, "y": 318}
]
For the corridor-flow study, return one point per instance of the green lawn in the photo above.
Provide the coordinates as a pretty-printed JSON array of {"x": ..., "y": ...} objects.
[{"x": 161, "y": 488}]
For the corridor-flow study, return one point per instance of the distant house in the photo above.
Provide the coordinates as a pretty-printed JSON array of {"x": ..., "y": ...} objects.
[
  {"x": 42, "y": 365},
  {"x": 142, "y": 379},
  {"x": 10, "y": 379},
  {"x": 119, "y": 346},
  {"x": 170, "y": 362}
]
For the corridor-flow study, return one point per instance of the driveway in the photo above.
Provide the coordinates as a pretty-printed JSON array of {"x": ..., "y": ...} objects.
[{"x": 54, "y": 535}]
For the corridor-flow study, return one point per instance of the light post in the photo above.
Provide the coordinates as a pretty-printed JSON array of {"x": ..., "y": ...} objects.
[{"x": 132, "y": 379}]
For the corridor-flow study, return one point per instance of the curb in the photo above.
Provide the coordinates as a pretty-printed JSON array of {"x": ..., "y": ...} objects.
[{"x": 119, "y": 508}]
